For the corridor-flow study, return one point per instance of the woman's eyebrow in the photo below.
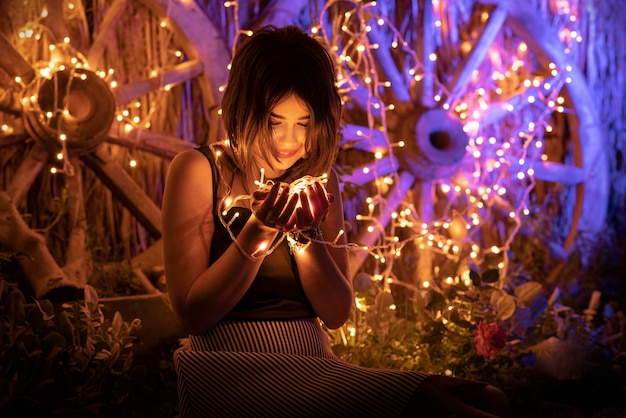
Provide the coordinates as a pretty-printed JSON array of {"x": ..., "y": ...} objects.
[{"x": 274, "y": 115}]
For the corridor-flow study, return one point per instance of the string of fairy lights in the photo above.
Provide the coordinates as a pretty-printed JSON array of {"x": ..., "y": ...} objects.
[
  {"x": 505, "y": 115},
  {"x": 505, "y": 109},
  {"x": 55, "y": 57}
]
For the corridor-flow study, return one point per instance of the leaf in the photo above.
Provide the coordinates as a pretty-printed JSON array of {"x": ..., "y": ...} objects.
[
  {"x": 496, "y": 294},
  {"x": 52, "y": 340},
  {"x": 505, "y": 307},
  {"x": 134, "y": 326},
  {"x": 102, "y": 355},
  {"x": 491, "y": 276},
  {"x": 554, "y": 297},
  {"x": 117, "y": 323},
  {"x": 35, "y": 318},
  {"x": 51, "y": 359},
  {"x": 102, "y": 346},
  {"x": 127, "y": 342},
  {"x": 66, "y": 328},
  {"x": 91, "y": 296},
  {"x": 526, "y": 292},
  {"x": 383, "y": 301},
  {"x": 475, "y": 277},
  {"x": 46, "y": 308}
]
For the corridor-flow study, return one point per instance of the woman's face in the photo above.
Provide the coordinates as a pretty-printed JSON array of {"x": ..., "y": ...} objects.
[{"x": 289, "y": 121}]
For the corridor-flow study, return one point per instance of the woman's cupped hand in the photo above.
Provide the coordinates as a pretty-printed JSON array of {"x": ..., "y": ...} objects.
[{"x": 287, "y": 210}]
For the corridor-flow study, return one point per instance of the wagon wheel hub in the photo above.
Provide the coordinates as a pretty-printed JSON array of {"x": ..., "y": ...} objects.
[
  {"x": 439, "y": 146},
  {"x": 72, "y": 105}
]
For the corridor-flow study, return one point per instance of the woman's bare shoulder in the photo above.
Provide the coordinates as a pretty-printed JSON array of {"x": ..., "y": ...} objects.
[
  {"x": 191, "y": 155},
  {"x": 189, "y": 162}
]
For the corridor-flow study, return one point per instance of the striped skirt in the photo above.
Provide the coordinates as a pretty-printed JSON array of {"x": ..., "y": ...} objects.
[{"x": 282, "y": 369}]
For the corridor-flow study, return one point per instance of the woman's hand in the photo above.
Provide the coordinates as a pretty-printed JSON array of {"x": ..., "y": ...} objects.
[
  {"x": 281, "y": 209},
  {"x": 275, "y": 207},
  {"x": 313, "y": 208}
]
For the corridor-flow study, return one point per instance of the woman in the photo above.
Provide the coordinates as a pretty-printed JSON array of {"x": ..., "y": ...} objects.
[{"x": 249, "y": 272}]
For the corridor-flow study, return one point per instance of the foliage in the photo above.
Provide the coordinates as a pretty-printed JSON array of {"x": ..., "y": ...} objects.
[
  {"x": 63, "y": 359},
  {"x": 111, "y": 271},
  {"x": 434, "y": 329},
  {"x": 114, "y": 279}
]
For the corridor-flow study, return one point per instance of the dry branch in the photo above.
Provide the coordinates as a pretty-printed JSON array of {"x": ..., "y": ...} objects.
[{"x": 39, "y": 267}]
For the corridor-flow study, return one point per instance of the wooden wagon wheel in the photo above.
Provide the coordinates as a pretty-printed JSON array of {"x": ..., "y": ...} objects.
[
  {"x": 420, "y": 101},
  {"x": 69, "y": 102}
]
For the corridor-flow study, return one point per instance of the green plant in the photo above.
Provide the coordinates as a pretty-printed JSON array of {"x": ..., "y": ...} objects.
[{"x": 63, "y": 359}]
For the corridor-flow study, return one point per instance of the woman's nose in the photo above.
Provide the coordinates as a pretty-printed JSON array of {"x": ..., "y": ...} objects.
[{"x": 290, "y": 135}]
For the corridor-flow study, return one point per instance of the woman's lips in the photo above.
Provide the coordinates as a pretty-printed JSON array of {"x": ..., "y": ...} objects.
[{"x": 285, "y": 153}]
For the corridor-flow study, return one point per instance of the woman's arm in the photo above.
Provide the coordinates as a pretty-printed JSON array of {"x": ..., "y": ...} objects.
[
  {"x": 324, "y": 269},
  {"x": 201, "y": 295}
]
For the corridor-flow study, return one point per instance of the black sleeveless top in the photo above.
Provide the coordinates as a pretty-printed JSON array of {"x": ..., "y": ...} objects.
[{"x": 276, "y": 293}]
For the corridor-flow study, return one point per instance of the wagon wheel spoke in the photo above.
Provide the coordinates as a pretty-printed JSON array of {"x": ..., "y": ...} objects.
[
  {"x": 426, "y": 47},
  {"x": 125, "y": 189},
  {"x": 54, "y": 20},
  {"x": 371, "y": 171},
  {"x": 30, "y": 167},
  {"x": 13, "y": 135},
  {"x": 186, "y": 71},
  {"x": 558, "y": 172},
  {"x": 163, "y": 145},
  {"x": 10, "y": 101},
  {"x": 388, "y": 67},
  {"x": 13, "y": 63},
  {"x": 95, "y": 54},
  {"x": 472, "y": 61},
  {"x": 202, "y": 40},
  {"x": 362, "y": 138},
  {"x": 393, "y": 199}
]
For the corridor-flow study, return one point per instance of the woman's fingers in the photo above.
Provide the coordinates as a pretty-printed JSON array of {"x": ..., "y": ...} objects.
[
  {"x": 322, "y": 198},
  {"x": 318, "y": 202},
  {"x": 279, "y": 208},
  {"x": 287, "y": 219},
  {"x": 305, "y": 218},
  {"x": 267, "y": 209}
]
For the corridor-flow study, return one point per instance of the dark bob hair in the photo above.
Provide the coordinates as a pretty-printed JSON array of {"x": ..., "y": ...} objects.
[{"x": 267, "y": 67}]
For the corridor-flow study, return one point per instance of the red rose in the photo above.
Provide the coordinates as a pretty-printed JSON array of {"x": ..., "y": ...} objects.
[{"x": 489, "y": 339}]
